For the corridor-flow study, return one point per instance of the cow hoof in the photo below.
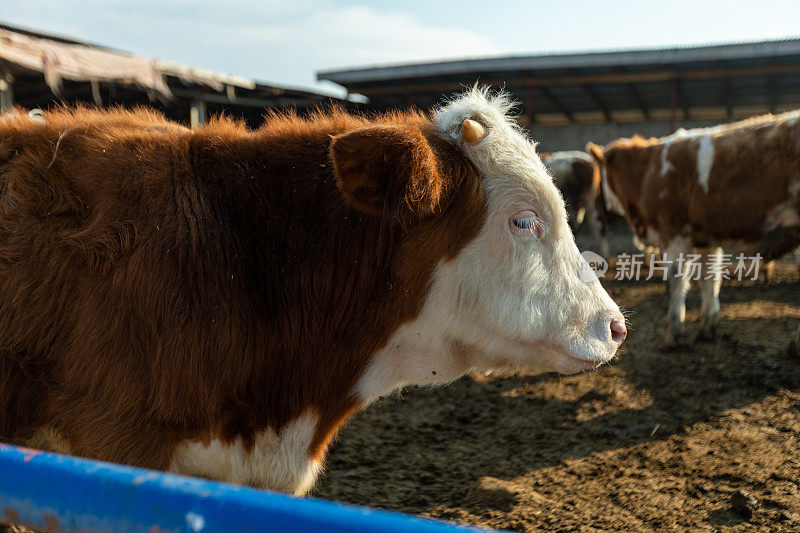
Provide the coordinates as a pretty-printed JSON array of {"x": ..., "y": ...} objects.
[
  {"x": 669, "y": 343},
  {"x": 792, "y": 351},
  {"x": 705, "y": 334}
]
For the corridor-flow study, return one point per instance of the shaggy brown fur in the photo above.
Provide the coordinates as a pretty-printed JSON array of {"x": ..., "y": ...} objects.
[{"x": 160, "y": 284}]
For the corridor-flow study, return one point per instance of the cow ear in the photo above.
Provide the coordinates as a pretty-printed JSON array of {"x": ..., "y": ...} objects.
[
  {"x": 388, "y": 171},
  {"x": 596, "y": 151}
]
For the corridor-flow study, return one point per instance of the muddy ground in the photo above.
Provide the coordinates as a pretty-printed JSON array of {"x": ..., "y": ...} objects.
[{"x": 705, "y": 437}]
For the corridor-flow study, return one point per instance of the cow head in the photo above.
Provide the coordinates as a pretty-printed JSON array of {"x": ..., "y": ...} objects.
[
  {"x": 624, "y": 165},
  {"x": 512, "y": 296},
  {"x": 609, "y": 178}
]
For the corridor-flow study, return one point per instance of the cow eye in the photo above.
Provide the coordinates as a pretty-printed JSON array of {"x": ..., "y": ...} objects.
[{"x": 526, "y": 223}]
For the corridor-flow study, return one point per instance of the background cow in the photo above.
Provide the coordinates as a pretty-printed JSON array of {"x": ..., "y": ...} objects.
[
  {"x": 577, "y": 176},
  {"x": 734, "y": 186},
  {"x": 217, "y": 302}
]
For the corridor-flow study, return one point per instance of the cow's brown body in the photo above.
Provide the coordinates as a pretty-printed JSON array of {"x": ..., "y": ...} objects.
[
  {"x": 734, "y": 186},
  {"x": 150, "y": 277}
]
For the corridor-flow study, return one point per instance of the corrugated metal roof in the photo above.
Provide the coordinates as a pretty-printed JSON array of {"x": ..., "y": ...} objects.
[{"x": 564, "y": 60}]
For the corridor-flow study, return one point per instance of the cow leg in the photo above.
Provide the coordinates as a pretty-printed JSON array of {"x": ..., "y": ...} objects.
[
  {"x": 678, "y": 286},
  {"x": 793, "y": 350},
  {"x": 599, "y": 227},
  {"x": 768, "y": 270},
  {"x": 651, "y": 253},
  {"x": 710, "y": 291}
]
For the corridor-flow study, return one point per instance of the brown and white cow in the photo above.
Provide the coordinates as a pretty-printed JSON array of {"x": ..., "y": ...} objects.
[
  {"x": 734, "y": 186},
  {"x": 217, "y": 302},
  {"x": 577, "y": 176}
]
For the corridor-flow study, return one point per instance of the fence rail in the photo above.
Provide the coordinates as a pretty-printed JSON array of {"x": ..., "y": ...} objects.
[{"x": 57, "y": 493}]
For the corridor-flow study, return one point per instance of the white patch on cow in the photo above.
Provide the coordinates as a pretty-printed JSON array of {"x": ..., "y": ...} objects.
[
  {"x": 579, "y": 215},
  {"x": 678, "y": 285},
  {"x": 653, "y": 237},
  {"x": 705, "y": 160},
  {"x": 503, "y": 302},
  {"x": 794, "y": 190},
  {"x": 783, "y": 215},
  {"x": 613, "y": 203},
  {"x": 559, "y": 164},
  {"x": 711, "y": 283},
  {"x": 277, "y": 461},
  {"x": 792, "y": 118},
  {"x": 37, "y": 115},
  {"x": 34, "y": 115},
  {"x": 684, "y": 134},
  {"x": 666, "y": 166}
]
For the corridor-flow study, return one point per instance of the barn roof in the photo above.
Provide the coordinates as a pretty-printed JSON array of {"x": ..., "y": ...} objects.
[
  {"x": 704, "y": 81},
  {"x": 38, "y": 69}
]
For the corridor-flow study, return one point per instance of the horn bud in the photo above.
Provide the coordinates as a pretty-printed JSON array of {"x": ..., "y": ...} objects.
[{"x": 472, "y": 132}]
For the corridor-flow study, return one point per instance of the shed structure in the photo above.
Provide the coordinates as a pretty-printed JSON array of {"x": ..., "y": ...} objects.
[
  {"x": 39, "y": 70},
  {"x": 569, "y": 98}
]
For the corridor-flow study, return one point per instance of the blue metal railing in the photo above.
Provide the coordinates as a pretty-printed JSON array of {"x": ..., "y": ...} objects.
[{"x": 61, "y": 493}]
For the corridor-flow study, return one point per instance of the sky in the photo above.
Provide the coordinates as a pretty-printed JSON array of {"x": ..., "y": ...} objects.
[{"x": 286, "y": 42}]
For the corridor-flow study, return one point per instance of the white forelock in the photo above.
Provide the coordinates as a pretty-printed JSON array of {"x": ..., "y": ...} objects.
[
  {"x": 479, "y": 103},
  {"x": 493, "y": 110},
  {"x": 505, "y": 156}
]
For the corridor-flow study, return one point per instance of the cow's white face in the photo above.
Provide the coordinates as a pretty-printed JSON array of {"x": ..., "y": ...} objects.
[{"x": 512, "y": 298}]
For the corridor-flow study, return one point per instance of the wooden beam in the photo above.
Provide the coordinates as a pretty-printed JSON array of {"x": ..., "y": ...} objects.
[
  {"x": 725, "y": 90},
  {"x": 673, "y": 105},
  {"x": 98, "y": 99},
  {"x": 197, "y": 113},
  {"x": 590, "y": 79},
  {"x": 727, "y": 95},
  {"x": 682, "y": 101},
  {"x": 529, "y": 107},
  {"x": 636, "y": 97},
  {"x": 244, "y": 101},
  {"x": 595, "y": 98},
  {"x": 774, "y": 90},
  {"x": 558, "y": 104}
]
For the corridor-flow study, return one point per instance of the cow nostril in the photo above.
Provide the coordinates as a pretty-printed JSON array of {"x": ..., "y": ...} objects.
[{"x": 618, "y": 331}]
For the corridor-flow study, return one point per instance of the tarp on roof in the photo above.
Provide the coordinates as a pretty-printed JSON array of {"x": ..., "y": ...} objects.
[{"x": 60, "y": 61}]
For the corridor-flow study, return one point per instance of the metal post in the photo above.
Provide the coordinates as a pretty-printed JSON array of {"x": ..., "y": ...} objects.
[
  {"x": 529, "y": 108},
  {"x": 673, "y": 105},
  {"x": 6, "y": 93},
  {"x": 98, "y": 99},
  {"x": 197, "y": 113}
]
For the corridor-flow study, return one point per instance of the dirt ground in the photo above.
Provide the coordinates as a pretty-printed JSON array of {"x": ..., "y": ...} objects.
[
  {"x": 705, "y": 437},
  {"x": 701, "y": 438}
]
